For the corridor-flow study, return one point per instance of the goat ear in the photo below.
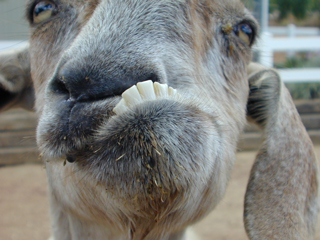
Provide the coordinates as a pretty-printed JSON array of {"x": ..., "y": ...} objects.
[
  {"x": 281, "y": 201},
  {"x": 16, "y": 88}
]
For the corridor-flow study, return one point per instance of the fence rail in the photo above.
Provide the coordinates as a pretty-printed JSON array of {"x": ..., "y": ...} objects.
[
  {"x": 297, "y": 40},
  {"x": 291, "y": 29},
  {"x": 6, "y": 45},
  {"x": 300, "y": 75}
]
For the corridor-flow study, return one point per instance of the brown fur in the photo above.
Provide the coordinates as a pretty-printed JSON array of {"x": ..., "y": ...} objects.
[{"x": 154, "y": 169}]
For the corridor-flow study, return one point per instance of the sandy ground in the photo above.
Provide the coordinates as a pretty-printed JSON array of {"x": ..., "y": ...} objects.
[{"x": 24, "y": 210}]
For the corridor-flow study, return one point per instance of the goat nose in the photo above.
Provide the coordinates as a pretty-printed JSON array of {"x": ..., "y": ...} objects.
[{"x": 79, "y": 84}]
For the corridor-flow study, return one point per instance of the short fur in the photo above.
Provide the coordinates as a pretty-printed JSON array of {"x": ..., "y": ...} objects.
[{"x": 164, "y": 164}]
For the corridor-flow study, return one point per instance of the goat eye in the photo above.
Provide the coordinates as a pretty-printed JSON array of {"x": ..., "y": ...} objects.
[
  {"x": 43, "y": 11},
  {"x": 245, "y": 32}
]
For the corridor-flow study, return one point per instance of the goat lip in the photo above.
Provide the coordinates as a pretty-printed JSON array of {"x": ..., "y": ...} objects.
[
  {"x": 71, "y": 125},
  {"x": 85, "y": 117},
  {"x": 92, "y": 99}
]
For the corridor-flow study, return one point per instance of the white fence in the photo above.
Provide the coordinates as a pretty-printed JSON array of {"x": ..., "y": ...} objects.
[
  {"x": 297, "y": 40},
  {"x": 292, "y": 30},
  {"x": 6, "y": 45}
]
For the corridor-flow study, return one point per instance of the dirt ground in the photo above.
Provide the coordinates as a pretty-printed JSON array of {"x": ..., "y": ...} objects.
[{"x": 24, "y": 210}]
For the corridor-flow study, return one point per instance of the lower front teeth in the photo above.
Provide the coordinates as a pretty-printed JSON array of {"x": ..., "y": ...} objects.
[{"x": 144, "y": 91}]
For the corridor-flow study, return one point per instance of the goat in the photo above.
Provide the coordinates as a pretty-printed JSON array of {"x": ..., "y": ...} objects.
[{"x": 140, "y": 105}]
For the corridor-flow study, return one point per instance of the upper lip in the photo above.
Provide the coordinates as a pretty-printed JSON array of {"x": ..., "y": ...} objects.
[{"x": 74, "y": 125}]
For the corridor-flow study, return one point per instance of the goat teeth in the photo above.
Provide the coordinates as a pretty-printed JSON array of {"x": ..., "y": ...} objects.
[
  {"x": 172, "y": 91},
  {"x": 161, "y": 90},
  {"x": 121, "y": 107},
  {"x": 132, "y": 96},
  {"x": 143, "y": 91},
  {"x": 146, "y": 90}
]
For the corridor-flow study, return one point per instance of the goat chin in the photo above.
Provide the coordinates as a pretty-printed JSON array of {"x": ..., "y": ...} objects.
[{"x": 162, "y": 193}]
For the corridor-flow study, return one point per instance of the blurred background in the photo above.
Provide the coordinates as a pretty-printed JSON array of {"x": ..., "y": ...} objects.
[
  {"x": 13, "y": 27},
  {"x": 289, "y": 41}
]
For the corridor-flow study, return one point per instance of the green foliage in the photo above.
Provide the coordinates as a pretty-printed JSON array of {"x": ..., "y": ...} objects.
[
  {"x": 304, "y": 90},
  {"x": 299, "y": 8},
  {"x": 291, "y": 62},
  {"x": 315, "y": 5},
  {"x": 273, "y": 6},
  {"x": 301, "y": 60}
]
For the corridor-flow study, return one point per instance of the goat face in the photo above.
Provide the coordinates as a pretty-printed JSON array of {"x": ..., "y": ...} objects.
[
  {"x": 162, "y": 164},
  {"x": 87, "y": 54},
  {"x": 162, "y": 158}
]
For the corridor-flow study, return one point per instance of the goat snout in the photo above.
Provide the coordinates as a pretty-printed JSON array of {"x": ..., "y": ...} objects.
[{"x": 87, "y": 83}]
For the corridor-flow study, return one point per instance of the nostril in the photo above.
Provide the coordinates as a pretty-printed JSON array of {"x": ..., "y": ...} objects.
[
  {"x": 77, "y": 83},
  {"x": 59, "y": 87},
  {"x": 5, "y": 97},
  {"x": 153, "y": 77}
]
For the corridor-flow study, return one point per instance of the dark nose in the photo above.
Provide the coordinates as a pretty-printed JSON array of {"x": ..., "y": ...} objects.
[{"x": 95, "y": 82}]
